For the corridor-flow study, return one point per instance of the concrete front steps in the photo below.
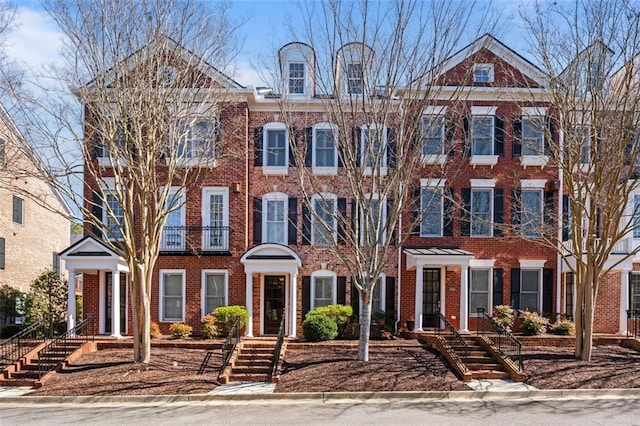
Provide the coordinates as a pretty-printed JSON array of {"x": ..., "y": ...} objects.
[{"x": 252, "y": 361}]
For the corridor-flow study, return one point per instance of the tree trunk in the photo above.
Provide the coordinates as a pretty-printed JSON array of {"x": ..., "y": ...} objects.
[
  {"x": 578, "y": 316},
  {"x": 365, "y": 326},
  {"x": 589, "y": 304}
]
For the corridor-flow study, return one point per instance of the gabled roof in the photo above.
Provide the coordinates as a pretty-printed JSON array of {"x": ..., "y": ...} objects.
[
  {"x": 182, "y": 53},
  {"x": 495, "y": 46}
]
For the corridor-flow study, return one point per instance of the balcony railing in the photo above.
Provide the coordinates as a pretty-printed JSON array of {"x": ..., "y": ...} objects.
[
  {"x": 623, "y": 246},
  {"x": 198, "y": 239}
]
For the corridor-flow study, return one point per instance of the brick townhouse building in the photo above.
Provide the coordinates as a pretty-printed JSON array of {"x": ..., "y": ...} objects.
[{"x": 468, "y": 232}]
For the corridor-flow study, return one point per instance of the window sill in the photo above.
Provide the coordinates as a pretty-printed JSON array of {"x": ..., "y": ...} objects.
[
  {"x": 275, "y": 170},
  {"x": 368, "y": 171},
  {"x": 434, "y": 159},
  {"x": 107, "y": 162},
  {"x": 430, "y": 236},
  {"x": 483, "y": 160},
  {"x": 196, "y": 162},
  {"x": 534, "y": 160},
  {"x": 325, "y": 171}
]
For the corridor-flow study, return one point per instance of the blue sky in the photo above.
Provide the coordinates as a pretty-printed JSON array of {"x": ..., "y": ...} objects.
[{"x": 36, "y": 40}]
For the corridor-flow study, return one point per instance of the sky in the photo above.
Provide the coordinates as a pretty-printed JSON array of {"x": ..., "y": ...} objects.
[{"x": 36, "y": 40}]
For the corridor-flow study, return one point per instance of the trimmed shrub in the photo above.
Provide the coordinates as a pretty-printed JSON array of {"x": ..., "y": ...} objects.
[
  {"x": 534, "y": 324},
  {"x": 209, "y": 327},
  {"x": 154, "y": 330},
  {"x": 180, "y": 330},
  {"x": 563, "y": 328},
  {"x": 226, "y": 316},
  {"x": 318, "y": 328},
  {"x": 340, "y": 314},
  {"x": 503, "y": 314}
]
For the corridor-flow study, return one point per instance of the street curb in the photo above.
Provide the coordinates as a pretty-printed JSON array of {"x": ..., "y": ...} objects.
[{"x": 323, "y": 397}]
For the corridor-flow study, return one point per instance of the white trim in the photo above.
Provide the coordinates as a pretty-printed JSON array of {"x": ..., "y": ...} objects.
[
  {"x": 323, "y": 273},
  {"x": 324, "y": 170},
  {"x": 162, "y": 274},
  {"x": 534, "y": 111},
  {"x": 491, "y": 212},
  {"x": 207, "y": 191},
  {"x": 434, "y": 110},
  {"x": 324, "y": 197},
  {"x": 484, "y": 110},
  {"x": 532, "y": 264},
  {"x": 534, "y": 160},
  {"x": 275, "y": 170},
  {"x": 482, "y": 183},
  {"x": 275, "y": 196},
  {"x": 367, "y": 170},
  {"x": 203, "y": 287},
  {"x": 481, "y": 263},
  {"x": 533, "y": 183},
  {"x": 489, "y": 269},
  {"x": 433, "y": 183}
]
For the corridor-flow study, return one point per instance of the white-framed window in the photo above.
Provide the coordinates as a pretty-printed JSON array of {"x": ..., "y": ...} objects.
[
  {"x": 296, "y": 78},
  {"x": 532, "y": 135},
  {"x": 274, "y": 218},
  {"x": 378, "y": 297},
  {"x": 275, "y": 149},
  {"x": 373, "y": 148},
  {"x": 480, "y": 284},
  {"x": 197, "y": 140},
  {"x": 432, "y": 209},
  {"x": 531, "y": 201},
  {"x": 584, "y": 133},
  {"x": 636, "y": 216},
  {"x": 324, "y": 153},
  {"x": 215, "y": 287},
  {"x": 432, "y": 135},
  {"x": 634, "y": 291},
  {"x": 324, "y": 222},
  {"x": 355, "y": 78},
  {"x": 174, "y": 231},
  {"x": 483, "y": 73},
  {"x": 530, "y": 289},
  {"x": 112, "y": 211},
  {"x": 481, "y": 212},
  {"x": 172, "y": 295},
  {"x": 373, "y": 221},
  {"x": 215, "y": 218},
  {"x": 18, "y": 210},
  {"x": 323, "y": 288},
  {"x": 482, "y": 128},
  {"x": 111, "y": 140}
]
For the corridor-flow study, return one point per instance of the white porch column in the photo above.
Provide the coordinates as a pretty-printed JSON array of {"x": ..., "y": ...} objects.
[
  {"x": 249, "y": 298},
  {"x": 624, "y": 301},
  {"x": 464, "y": 299},
  {"x": 115, "y": 304},
  {"x": 293, "y": 311},
  {"x": 419, "y": 286},
  {"x": 71, "y": 301}
]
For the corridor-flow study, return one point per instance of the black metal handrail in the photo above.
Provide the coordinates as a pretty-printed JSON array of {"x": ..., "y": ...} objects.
[
  {"x": 278, "y": 348},
  {"x": 76, "y": 334},
  {"x": 633, "y": 322},
  {"x": 506, "y": 343},
  {"x": 453, "y": 333},
  {"x": 17, "y": 346},
  {"x": 229, "y": 345},
  {"x": 182, "y": 239}
]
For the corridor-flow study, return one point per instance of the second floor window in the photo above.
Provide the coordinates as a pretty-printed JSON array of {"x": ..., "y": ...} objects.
[
  {"x": 482, "y": 135},
  {"x": 325, "y": 149},
  {"x": 636, "y": 216},
  {"x": 296, "y": 78},
  {"x": 18, "y": 210},
  {"x": 275, "y": 148},
  {"x": 197, "y": 140},
  {"x": 173, "y": 235},
  {"x": 274, "y": 221},
  {"x": 584, "y": 136},
  {"x": 532, "y": 136},
  {"x": 215, "y": 218},
  {"x": 432, "y": 212},
  {"x": 324, "y": 225},
  {"x": 374, "y": 153},
  {"x": 531, "y": 208},
  {"x": 481, "y": 214},
  {"x": 113, "y": 218},
  {"x": 433, "y": 135}
]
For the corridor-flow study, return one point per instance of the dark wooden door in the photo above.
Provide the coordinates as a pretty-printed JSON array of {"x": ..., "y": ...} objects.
[
  {"x": 274, "y": 286},
  {"x": 430, "y": 298}
]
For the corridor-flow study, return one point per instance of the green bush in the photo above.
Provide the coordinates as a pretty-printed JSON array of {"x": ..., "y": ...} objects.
[
  {"x": 180, "y": 330},
  {"x": 227, "y": 315},
  {"x": 154, "y": 330},
  {"x": 340, "y": 314},
  {"x": 533, "y": 324},
  {"x": 563, "y": 328},
  {"x": 209, "y": 327},
  {"x": 503, "y": 314},
  {"x": 318, "y": 328}
]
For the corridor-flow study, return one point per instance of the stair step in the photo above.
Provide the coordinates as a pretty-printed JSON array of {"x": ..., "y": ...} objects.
[
  {"x": 475, "y": 359},
  {"x": 258, "y": 369},
  {"x": 18, "y": 382},
  {"x": 489, "y": 375},
  {"x": 255, "y": 355},
  {"x": 256, "y": 350},
  {"x": 248, "y": 377},
  {"x": 25, "y": 374},
  {"x": 256, "y": 362},
  {"x": 484, "y": 366}
]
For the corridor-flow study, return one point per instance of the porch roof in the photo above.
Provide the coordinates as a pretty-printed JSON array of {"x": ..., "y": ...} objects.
[
  {"x": 437, "y": 256},
  {"x": 271, "y": 258},
  {"x": 90, "y": 254}
]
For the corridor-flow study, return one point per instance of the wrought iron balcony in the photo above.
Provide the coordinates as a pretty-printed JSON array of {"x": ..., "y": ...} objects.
[{"x": 195, "y": 239}]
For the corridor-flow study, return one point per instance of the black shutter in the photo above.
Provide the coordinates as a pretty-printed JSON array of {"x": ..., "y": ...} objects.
[
  {"x": 293, "y": 145},
  {"x": 354, "y": 219},
  {"x": 516, "y": 138},
  {"x": 598, "y": 222},
  {"x": 306, "y": 295},
  {"x": 498, "y": 137},
  {"x": 547, "y": 291},
  {"x": 498, "y": 211},
  {"x": 449, "y": 134},
  {"x": 17, "y": 210},
  {"x": 551, "y": 136},
  {"x": 257, "y": 146},
  {"x": 565, "y": 217},
  {"x": 306, "y": 225},
  {"x": 548, "y": 213},
  {"x": 308, "y": 147},
  {"x": 96, "y": 211},
  {"x": 355, "y": 299},
  {"x": 2, "y": 253},
  {"x": 392, "y": 237},
  {"x": 466, "y": 137},
  {"x": 416, "y": 210},
  {"x": 390, "y": 294},
  {"x": 516, "y": 214},
  {"x": 342, "y": 220},
  {"x": 257, "y": 220},
  {"x": 97, "y": 150},
  {"x": 515, "y": 288},
  {"x": 55, "y": 264},
  {"x": 447, "y": 228},
  {"x": 292, "y": 231},
  {"x": 356, "y": 136},
  {"x": 341, "y": 296},
  {"x": 391, "y": 148},
  {"x": 465, "y": 213},
  {"x": 497, "y": 288}
]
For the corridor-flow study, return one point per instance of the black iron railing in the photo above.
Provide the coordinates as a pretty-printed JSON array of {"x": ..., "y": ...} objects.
[
  {"x": 229, "y": 345},
  {"x": 454, "y": 339},
  {"x": 633, "y": 322},
  {"x": 14, "y": 348},
  {"x": 504, "y": 341},
  {"x": 199, "y": 239},
  {"x": 278, "y": 348},
  {"x": 59, "y": 349}
]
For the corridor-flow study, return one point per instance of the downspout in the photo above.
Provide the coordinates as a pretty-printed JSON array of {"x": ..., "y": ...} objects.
[
  {"x": 399, "y": 280},
  {"x": 559, "y": 257}
]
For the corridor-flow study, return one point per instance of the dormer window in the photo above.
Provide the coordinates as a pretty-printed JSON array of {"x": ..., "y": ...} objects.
[
  {"x": 355, "y": 83},
  {"x": 483, "y": 73},
  {"x": 296, "y": 78}
]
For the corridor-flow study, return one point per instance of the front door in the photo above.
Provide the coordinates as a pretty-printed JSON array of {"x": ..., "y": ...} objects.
[
  {"x": 431, "y": 298},
  {"x": 274, "y": 286},
  {"x": 108, "y": 299}
]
